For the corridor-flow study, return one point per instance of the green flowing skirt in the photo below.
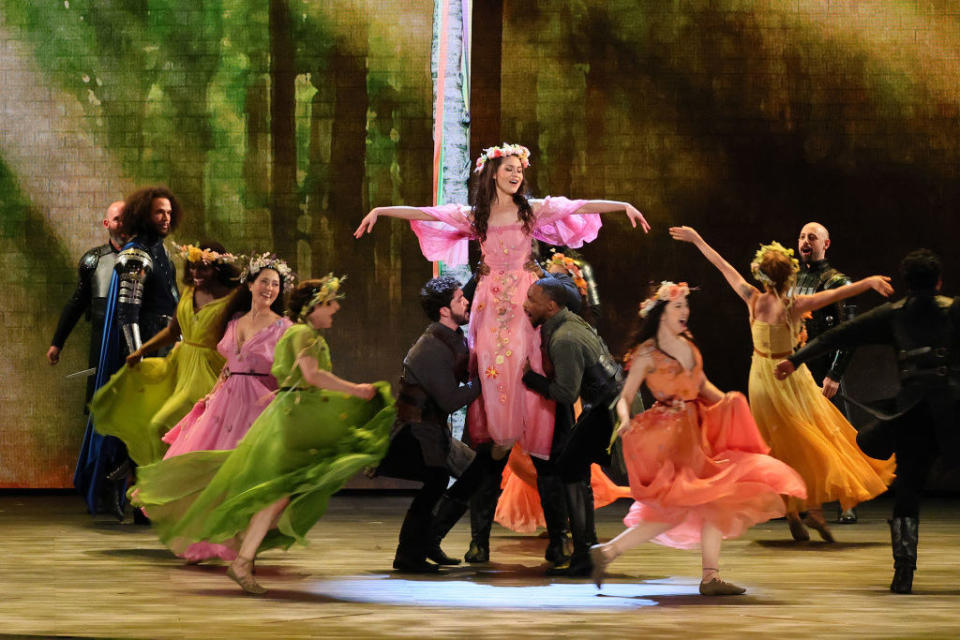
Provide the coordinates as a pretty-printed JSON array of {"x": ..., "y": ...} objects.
[{"x": 306, "y": 444}]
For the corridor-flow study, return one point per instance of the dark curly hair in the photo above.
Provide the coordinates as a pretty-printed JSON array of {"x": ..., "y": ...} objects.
[
  {"x": 437, "y": 294},
  {"x": 227, "y": 274},
  {"x": 135, "y": 219},
  {"x": 485, "y": 192},
  {"x": 921, "y": 270}
]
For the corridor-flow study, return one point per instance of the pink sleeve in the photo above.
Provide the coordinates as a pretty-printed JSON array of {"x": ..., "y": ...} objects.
[
  {"x": 447, "y": 238},
  {"x": 558, "y": 224}
]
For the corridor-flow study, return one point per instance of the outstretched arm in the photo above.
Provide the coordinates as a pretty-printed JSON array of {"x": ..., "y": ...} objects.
[
  {"x": 614, "y": 206},
  {"x": 880, "y": 284},
  {"x": 323, "y": 379},
  {"x": 402, "y": 212},
  {"x": 744, "y": 289}
]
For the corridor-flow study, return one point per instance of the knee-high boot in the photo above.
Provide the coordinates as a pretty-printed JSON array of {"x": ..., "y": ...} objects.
[
  {"x": 554, "y": 505},
  {"x": 580, "y": 507},
  {"x": 483, "y": 506},
  {"x": 449, "y": 511},
  {"x": 903, "y": 538}
]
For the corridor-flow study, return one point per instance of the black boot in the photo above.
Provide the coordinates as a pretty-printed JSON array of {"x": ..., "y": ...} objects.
[
  {"x": 449, "y": 511},
  {"x": 483, "y": 506},
  {"x": 580, "y": 507},
  {"x": 554, "y": 506},
  {"x": 903, "y": 538},
  {"x": 413, "y": 545}
]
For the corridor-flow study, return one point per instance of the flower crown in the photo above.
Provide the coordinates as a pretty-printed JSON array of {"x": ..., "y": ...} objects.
[
  {"x": 776, "y": 247},
  {"x": 502, "y": 152},
  {"x": 192, "y": 253},
  {"x": 327, "y": 291},
  {"x": 667, "y": 292},
  {"x": 572, "y": 267},
  {"x": 258, "y": 263}
]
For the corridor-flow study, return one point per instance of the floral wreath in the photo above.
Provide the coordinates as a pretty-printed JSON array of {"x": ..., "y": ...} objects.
[
  {"x": 327, "y": 291},
  {"x": 758, "y": 257},
  {"x": 192, "y": 253},
  {"x": 666, "y": 292},
  {"x": 572, "y": 267},
  {"x": 258, "y": 263},
  {"x": 502, "y": 152}
]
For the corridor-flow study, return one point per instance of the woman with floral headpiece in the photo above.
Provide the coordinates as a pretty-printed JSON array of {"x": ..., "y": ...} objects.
[
  {"x": 147, "y": 397},
  {"x": 802, "y": 427},
  {"x": 222, "y": 418},
  {"x": 269, "y": 491},
  {"x": 698, "y": 467},
  {"x": 504, "y": 221}
]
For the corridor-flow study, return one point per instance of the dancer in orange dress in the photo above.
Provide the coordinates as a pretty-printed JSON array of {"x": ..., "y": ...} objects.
[{"x": 699, "y": 469}]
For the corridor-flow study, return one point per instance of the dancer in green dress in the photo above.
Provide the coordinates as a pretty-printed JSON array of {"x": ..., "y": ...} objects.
[{"x": 317, "y": 432}]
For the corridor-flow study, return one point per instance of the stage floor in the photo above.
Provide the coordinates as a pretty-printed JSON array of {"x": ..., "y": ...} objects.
[{"x": 65, "y": 574}]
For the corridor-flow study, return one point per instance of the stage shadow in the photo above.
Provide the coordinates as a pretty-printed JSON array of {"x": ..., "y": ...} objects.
[
  {"x": 817, "y": 545},
  {"x": 695, "y": 599},
  {"x": 146, "y": 554}
]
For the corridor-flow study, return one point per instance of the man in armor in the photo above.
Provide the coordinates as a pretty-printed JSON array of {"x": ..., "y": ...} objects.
[
  {"x": 422, "y": 446},
  {"x": 816, "y": 275},
  {"x": 141, "y": 301},
  {"x": 90, "y": 297},
  {"x": 923, "y": 328},
  {"x": 578, "y": 365}
]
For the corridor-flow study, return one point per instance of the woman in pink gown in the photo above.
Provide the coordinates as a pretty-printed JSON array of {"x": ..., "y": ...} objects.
[
  {"x": 221, "y": 419},
  {"x": 504, "y": 221},
  {"x": 698, "y": 466}
]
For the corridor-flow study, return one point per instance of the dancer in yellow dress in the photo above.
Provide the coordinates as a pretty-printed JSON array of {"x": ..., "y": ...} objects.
[
  {"x": 802, "y": 427},
  {"x": 145, "y": 399}
]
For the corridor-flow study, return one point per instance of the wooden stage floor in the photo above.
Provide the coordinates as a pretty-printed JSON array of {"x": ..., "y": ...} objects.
[{"x": 65, "y": 574}]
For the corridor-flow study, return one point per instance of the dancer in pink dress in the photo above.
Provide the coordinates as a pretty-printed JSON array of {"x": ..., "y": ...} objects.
[
  {"x": 222, "y": 418},
  {"x": 504, "y": 221},
  {"x": 698, "y": 466}
]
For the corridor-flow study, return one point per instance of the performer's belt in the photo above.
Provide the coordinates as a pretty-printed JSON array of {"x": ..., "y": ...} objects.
[
  {"x": 197, "y": 344},
  {"x": 773, "y": 356},
  {"x": 249, "y": 373}
]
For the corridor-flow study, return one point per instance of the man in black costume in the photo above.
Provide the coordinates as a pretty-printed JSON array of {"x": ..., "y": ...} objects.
[
  {"x": 578, "y": 365},
  {"x": 90, "y": 297},
  {"x": 923, "y": 328},
  {"x": 141, "y": 301},
  {"x": 816, "y": 274},
  {"x": 436, "y": 381}
]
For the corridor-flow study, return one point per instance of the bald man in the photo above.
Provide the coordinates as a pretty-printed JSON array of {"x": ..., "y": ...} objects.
[
  {"x": 90, "y": 296},
  {"x": 815, "y": 275}
]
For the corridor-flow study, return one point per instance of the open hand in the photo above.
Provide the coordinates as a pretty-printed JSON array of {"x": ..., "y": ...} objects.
[
  {"x": 685, "y": 234},
  {"x": 366, "y": 225},
  {"x": 784, "y": 369},
  {"x": 636, "y": 217},
  {"x": 881, "y": 284}
]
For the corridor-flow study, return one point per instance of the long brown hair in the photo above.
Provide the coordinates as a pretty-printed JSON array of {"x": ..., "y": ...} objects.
[{"x": 485, "y": 192}]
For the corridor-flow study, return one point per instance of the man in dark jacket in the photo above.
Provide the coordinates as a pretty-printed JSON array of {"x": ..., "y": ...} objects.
[
  {"x": 435, "y": 382},
  {"x": 922, "y": 327},
  {"x": 90, "y": 297},
  {"x": 578, "y": 365}
]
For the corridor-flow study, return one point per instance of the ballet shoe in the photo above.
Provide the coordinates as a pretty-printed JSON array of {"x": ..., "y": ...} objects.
[
  {"x": 599, "y": 560},
  {"x": 717, "y": 587},
  {"x": 246, "y": 581},
  {"x": 820, "y": 526}
]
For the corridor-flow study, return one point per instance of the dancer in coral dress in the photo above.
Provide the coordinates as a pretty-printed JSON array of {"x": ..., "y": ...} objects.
[
  {"x": 699, "y": 469},
  {"x": 504, "y": 221},
  {"x": 802, "y": 427}
]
